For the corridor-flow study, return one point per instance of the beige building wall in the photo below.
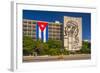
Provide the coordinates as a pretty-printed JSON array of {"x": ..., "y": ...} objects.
[{"x": 72, "y": 33}]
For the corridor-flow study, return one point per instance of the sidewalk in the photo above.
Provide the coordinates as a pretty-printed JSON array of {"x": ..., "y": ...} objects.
[{"x": 55, "y": 58}]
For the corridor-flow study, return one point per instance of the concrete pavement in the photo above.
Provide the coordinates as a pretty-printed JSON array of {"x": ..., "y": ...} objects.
[{"x": 56, "y": 58}]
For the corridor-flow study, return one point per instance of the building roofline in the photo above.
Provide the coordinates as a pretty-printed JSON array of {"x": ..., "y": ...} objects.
[{"x": 42, "y": 21}]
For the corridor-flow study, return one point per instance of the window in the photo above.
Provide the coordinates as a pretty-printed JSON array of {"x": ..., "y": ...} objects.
[
  {"x": 29, "y": 22},
  {"x": 25, "y": 21}
]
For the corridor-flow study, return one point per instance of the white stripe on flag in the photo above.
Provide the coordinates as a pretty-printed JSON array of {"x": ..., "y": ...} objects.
[
  {"x": 39, "y": 33},
  {"x": 44, "y": 35}
]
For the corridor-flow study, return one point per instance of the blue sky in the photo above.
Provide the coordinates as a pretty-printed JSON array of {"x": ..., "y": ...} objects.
[{"x": 51, "y": 16}]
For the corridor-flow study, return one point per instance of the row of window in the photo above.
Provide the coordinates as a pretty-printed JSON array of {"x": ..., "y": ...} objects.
[
  {"x": 34, "y": 34},
  {"x": 29, "y": 22},
  {"x": 25, "y": 25},
  {"x": 30, "y": 33},
  {"x": 55, "y": 38},
  {"x": 58, "y": 34},
  {"x": 31, "y": 36},
  {"x": 29, "y": 28},
  {"x": 55, "y": 28},
  {"x": 50, "y": 31},
  {"x": 50, "y": 27},
  {"x": 54, "y": 31},
  {"x": 55, "y": 25}
]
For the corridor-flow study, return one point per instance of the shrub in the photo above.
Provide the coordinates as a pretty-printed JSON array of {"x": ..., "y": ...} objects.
[
  {"x": 54, "y": 51},
  {"x": 86, "y": 48}
]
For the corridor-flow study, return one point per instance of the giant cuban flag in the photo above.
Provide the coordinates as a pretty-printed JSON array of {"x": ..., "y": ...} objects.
[{"x": 42, "y": 31}]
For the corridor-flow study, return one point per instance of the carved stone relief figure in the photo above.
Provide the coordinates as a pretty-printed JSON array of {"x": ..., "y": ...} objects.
[{"x": 71, "y": 31}]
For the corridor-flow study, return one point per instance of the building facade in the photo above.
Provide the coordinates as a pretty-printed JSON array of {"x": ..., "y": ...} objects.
[
  {"x": 54, "y": 29},
  {"x": 72, "y": 33}
]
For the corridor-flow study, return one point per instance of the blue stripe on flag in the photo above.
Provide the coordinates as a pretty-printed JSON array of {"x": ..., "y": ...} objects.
[
  {"x": 37, "y": 31},
  {"x": 42, "y": 36},
  {"x": 47, "y": 33}
]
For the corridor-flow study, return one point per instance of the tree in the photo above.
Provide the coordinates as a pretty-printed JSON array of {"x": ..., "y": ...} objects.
[
  {"x": 52, "y": 47},
  {"x": 54, "y": 51},
  {"x": 41, "y": 47},
  {"x": 28, "y": 45},
  {"x": 54, "y": 43},
  {"x": 86, "y": 48},
  {"x": 44, "y": 49}
]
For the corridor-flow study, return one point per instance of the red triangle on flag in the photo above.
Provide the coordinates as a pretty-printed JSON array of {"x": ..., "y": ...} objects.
[{"x": 42, "y": 25}]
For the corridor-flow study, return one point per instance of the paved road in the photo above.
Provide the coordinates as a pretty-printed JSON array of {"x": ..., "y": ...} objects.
[{"x": 55, "y": 58}]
